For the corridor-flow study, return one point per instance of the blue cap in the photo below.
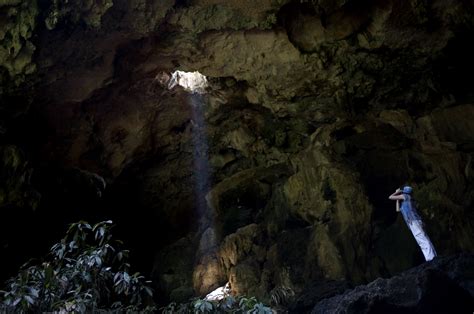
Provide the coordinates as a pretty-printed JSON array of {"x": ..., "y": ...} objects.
[{"x": 407, "y": 190}]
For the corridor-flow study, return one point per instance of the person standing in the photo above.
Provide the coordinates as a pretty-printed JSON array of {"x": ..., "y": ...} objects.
[{"x": 413, "y": 221}]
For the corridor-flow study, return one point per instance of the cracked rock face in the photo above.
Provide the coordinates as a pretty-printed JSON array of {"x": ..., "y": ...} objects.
[{"x": 278, "y": 176}]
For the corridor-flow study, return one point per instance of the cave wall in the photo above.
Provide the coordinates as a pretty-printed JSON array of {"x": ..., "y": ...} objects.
[{"x": 316, "y": 111}]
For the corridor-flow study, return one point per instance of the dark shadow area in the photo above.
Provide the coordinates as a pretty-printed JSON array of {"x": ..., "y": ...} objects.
[
  {"x": 456, "y": 66},
  {"x": 241, "y": 207},
  {"x": 66, "y": 196},
  {"x": 146, "y": 220},
  {"x": 379, "y": 154}
]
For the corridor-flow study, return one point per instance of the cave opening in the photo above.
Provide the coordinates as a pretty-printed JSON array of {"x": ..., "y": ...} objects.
[{"x": 193, "y": 82}]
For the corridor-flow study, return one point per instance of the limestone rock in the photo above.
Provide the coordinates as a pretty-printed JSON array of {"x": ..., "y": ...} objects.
[
  {"x": 215, "y": 14},
  {"x": 237, "y": 246},
  {"x": 437, "y": 287},
  {"x": 17, "y": 26},
  {"x": 87, "y": 11}
]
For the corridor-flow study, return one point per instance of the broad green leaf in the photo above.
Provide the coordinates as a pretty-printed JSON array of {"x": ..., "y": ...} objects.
[{"x": 29, "y": 299}]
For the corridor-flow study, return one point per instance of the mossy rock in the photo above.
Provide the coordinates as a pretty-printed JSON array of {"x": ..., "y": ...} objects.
[
  {"x": 18, "y": 22},
  {"x": 88, "y": 11}
]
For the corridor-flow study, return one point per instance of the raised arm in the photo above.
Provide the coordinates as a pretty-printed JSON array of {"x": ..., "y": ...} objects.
[{"x": 397, "y": 196}]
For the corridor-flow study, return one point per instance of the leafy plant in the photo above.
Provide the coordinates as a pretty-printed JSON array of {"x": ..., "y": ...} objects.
[
  {"x": 230, "y": 304},
  {"x": 281, "y": 295},
  {"x": 84, "y": 272},
  {"x": 178, "y": 308},
  {"x": 203, "y": 306}
]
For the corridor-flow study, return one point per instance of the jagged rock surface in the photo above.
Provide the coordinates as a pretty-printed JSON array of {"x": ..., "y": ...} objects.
[{"x": 445, "y": 285}]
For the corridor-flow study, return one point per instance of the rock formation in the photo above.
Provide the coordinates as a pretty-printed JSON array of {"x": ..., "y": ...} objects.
[{"x": 443, "y": 286}]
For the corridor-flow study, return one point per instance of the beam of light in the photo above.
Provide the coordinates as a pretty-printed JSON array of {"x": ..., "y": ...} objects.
[
  {"x": 196, "y": 84},
  {"x": 200, "y": 153}
]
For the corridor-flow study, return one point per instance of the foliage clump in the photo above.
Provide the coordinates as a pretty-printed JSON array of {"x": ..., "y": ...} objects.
[
  {"x": 229, "y": 304},
  {"x": 84, "y": 272}
]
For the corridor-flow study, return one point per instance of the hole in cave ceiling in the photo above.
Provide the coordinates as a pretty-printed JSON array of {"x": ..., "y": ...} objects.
[{"x": 193, "y": 82}]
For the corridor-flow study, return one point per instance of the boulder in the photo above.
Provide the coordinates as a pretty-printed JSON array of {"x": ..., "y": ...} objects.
[{"x": 444, "y": 285}]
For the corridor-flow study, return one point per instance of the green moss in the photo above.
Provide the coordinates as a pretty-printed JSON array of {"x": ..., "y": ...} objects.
[{"x": 18, "y": 21}]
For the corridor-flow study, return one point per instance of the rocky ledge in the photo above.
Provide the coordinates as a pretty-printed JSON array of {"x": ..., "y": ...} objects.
[{"x": 444, "y": 285}]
